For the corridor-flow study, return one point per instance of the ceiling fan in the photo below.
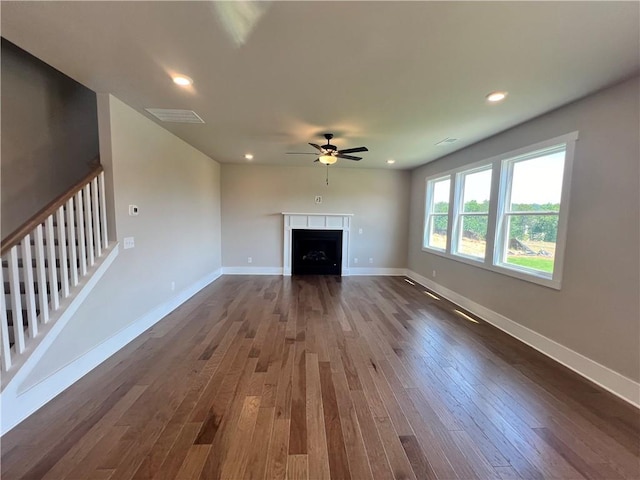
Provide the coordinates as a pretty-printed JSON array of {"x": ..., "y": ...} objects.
[{"x": 329, "y": 154}]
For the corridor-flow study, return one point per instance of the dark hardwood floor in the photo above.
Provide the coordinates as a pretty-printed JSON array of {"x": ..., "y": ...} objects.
[{"x": 326, "y": 377}]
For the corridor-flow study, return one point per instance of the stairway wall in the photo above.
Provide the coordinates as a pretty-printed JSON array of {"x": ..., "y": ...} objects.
[
  {"x": 177, "y": 235},
  {"x": 49, "y": 133}
]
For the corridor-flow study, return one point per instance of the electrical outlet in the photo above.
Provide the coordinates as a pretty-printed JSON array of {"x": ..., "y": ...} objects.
[
  {"x": 359, "y": 231},
  {"x": 318, "y": 198},
  {"x": 249, "y": 260},
  {"x": 129, "y": 242},
  {"x": 355, "y": 260},
  {"x": 370, "y": 259},
  {"x": 433, "y": 274},
  {"x": 133, "y": 210}
]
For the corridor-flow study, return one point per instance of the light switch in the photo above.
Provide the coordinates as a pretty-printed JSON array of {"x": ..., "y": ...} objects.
[{"x": 133, "y": 210}]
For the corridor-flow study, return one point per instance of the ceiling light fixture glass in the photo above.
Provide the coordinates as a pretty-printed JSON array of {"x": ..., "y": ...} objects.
[
  {"x": 248, "y": 156},
  {"x": 327, "y": 159},
  {"x": 391, "y": 162},
  {"x": 182, "y": 80},
  {"x": 494, "y": 97}
]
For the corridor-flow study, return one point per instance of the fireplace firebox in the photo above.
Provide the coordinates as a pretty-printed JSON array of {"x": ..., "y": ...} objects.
[{"x": 316, "y": 252}]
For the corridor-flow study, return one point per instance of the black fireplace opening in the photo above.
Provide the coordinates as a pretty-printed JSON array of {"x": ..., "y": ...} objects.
[{"x": 316, "y": 252}]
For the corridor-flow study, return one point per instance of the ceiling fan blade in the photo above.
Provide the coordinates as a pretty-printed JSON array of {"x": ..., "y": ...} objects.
[
  {"x": 354, "y": 150},
  {"x": 300, "y": 153},
  {"x": 348, "y": 157},
  {"x": 316, "y": 160},
  {"x": 317, "y": 147}
]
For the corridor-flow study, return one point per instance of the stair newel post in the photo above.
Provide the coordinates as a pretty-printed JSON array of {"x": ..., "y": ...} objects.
[
  {"x": 62, "y": 252},
  {"x": 80, "y": 227},
  {"x": 103, "y": 211},
  {"x": 5, "y": 353},
  {"x": 88, "y": 225},
  {"x": 71, "y": 234},
  {"x": 16, "y": 301},
  {"x": 41, "y": 274},
  {"x": 96, "y": 217},
  {"x": 51, "y": 268},
  {"x": 29, "y": 291}
]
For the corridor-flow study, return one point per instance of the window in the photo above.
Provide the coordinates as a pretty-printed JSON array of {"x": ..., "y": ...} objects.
[
  {"x": 528, "y": 219},
  {"x": 437, "y": 217},
  {"x": 472, "y": 212},
  {"x": 507, "y": 214}
]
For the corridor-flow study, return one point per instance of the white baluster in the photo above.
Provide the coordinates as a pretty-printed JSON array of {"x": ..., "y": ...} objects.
[
  {"x": 16, "y": 301},
  {"x": 41, "y": 275},
  {"x": 4, "y": 330},
  {"x": 88, "y": 224},
  {"x": 30, "y": 294},
  {"x": 62, "y": 252},
  {"x": 103, "y": 211},
  {"x": 73, "y": 253},
  {"x": 51, "y": 268},
  {"x": 96, "y": 217},
  {"x": 80, "y": 226}
]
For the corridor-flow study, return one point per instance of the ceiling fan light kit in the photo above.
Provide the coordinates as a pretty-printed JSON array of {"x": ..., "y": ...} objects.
[{"x": 327, "y": 159}]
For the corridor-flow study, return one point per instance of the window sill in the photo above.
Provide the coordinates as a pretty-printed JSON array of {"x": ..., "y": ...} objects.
[{"x": 510, "y": 272}]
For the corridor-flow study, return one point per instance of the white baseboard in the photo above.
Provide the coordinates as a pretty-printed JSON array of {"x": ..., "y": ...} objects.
[
  {"x": 18, "y": 405},
  {"x": 394, "y": 272},
  {"x": 610, "y": 380},
  {"x": 280, "y": 271},
  {"x": 252, "y": 270}
]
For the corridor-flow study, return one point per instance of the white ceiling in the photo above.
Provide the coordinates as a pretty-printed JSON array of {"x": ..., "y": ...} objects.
[{"x": 397, "y": 77}]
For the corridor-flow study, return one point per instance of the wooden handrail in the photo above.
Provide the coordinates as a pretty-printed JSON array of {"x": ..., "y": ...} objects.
[{"x": 17, "y": 235}]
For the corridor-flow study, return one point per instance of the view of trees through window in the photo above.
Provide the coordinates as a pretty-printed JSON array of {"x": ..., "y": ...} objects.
[
  {"x": 533, "y": 211},
  {"x": 520, "y": 196}
]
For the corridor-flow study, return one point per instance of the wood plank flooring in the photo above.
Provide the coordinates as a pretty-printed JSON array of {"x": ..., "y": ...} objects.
[{"x": 326, "y": 377}]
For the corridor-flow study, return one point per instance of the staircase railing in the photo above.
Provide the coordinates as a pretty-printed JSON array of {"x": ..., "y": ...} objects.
[{"x": 45, "y": 259}]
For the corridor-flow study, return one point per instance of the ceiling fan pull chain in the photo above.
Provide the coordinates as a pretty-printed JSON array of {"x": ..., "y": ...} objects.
[{"x": 327, "y": 175}]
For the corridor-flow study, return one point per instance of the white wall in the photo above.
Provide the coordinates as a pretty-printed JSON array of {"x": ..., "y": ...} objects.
[
  {"x": 177, "y": 233},
  {"x": 254, "y": 196},
  {"x": 596, "y": 313}
]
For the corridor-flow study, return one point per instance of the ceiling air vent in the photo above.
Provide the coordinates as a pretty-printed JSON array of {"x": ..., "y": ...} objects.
[
  {"x": 175, "y": 116},
  {"x": 446, "y": 141}
]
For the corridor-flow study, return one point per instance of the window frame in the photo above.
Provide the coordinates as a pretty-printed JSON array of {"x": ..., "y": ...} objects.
[
  {"x": 500, "y": 183},
  {"x": 429, "y": 214},
  {"x": 458, "y": 209}
]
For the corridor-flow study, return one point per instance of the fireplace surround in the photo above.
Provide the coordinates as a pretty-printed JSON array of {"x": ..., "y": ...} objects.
[{"x": 316, "y": 222}]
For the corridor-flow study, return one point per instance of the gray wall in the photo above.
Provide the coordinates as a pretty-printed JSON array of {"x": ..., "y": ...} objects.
[
  {"x": 596, "y": 313},
  {"x": 254, "y": 196},
  {"x": 177, "y": 233},
  {"x": 49, "y": 133}
]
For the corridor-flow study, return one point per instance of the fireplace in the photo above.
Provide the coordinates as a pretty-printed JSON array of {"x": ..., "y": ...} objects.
[
  {"x": 334, "y": 222},
  {"x": 316, "y": 252}
]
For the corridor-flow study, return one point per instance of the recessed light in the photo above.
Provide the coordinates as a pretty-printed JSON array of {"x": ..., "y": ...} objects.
[
  {"x": 494, "y": 97},
  {"x": 391, "y": 162},
  {"x": 248, "y": 156},
  {"x": 182, "y": 80}
]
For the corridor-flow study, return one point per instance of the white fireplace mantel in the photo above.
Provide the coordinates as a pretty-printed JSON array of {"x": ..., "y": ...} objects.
[{"x": 316, "y": 221}]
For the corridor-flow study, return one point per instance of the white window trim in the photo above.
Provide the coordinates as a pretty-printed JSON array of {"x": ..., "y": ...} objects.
[
  {"x": 428, "y": 214},
  {"x": 458, "y": 214},
  {"x": 498, "y": 196}
]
